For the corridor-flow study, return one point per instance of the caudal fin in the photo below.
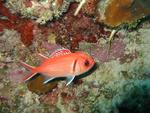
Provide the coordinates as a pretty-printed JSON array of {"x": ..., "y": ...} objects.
[{"x": 30, "y": 68}]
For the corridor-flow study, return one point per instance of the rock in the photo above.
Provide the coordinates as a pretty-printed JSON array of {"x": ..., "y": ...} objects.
[{"x": 116, "y": 12}]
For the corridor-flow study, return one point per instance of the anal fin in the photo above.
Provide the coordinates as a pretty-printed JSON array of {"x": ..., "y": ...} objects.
[
  {"x": 27, "y": 65},
  {"x": 48, "y": 79},
  {"x": 28, "y": 77},
  {"x": 69, "y": 80}
]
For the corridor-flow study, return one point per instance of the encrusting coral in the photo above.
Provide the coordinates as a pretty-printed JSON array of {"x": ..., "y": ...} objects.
[
  {"x": 41, "y": 10},
  {"x": 118, "y": 83},
  {"x": 23, "y": 26}
]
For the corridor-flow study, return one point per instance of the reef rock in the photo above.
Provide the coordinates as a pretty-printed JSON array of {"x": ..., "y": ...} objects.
[{"x": 117, "y": 12}]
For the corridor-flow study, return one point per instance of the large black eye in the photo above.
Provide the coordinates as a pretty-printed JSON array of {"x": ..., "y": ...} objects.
[{"x": 86, "y": 63}]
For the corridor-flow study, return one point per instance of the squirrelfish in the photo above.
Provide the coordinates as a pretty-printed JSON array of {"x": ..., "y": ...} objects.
[{"x": 61, "y": 63}]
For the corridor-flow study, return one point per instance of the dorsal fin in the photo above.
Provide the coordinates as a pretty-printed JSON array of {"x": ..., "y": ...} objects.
[
  {"x": 60, "y": 52},
  {"x": 42, "y": 57}
]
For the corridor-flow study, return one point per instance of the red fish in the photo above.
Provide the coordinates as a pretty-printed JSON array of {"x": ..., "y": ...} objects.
[{"x": 62, "y": 63}]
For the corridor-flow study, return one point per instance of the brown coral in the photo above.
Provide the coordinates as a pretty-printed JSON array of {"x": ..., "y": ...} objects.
[
  {"x": 118, "y": 11},
  {"x": 125, "y": 11}
]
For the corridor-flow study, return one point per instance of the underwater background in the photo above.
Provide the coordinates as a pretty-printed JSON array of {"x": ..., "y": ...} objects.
[{"x": 116, "y": 33}]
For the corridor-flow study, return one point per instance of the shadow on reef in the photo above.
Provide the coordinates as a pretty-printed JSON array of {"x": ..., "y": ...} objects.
[
  {"x": 137, "y": 100},
  {"x": 36, "y": 85}
]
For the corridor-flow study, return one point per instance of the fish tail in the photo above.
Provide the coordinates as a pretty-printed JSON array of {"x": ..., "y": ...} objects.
[{"x": 30, "y": 68}]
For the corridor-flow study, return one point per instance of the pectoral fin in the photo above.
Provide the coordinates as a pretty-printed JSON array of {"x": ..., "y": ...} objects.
[
  {"x": 47, "y": 79},
  {"x": 69, "y": 80}
]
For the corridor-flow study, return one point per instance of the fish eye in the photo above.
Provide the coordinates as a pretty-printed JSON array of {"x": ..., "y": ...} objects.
[{"x": 86, "y": 63}]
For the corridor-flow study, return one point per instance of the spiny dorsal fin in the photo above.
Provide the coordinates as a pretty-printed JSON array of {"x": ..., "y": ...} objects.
[
  {"x": 42, "y": 57},
  {"x": 60, "y": 52}
]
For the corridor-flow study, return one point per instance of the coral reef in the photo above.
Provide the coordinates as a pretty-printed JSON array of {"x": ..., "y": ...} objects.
[
  {"x": 110, "y": 12},
  {"x": 119, "y": 82},
  {"x": 69, "y": 30},
  {"x": 104, "y": 90}
]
